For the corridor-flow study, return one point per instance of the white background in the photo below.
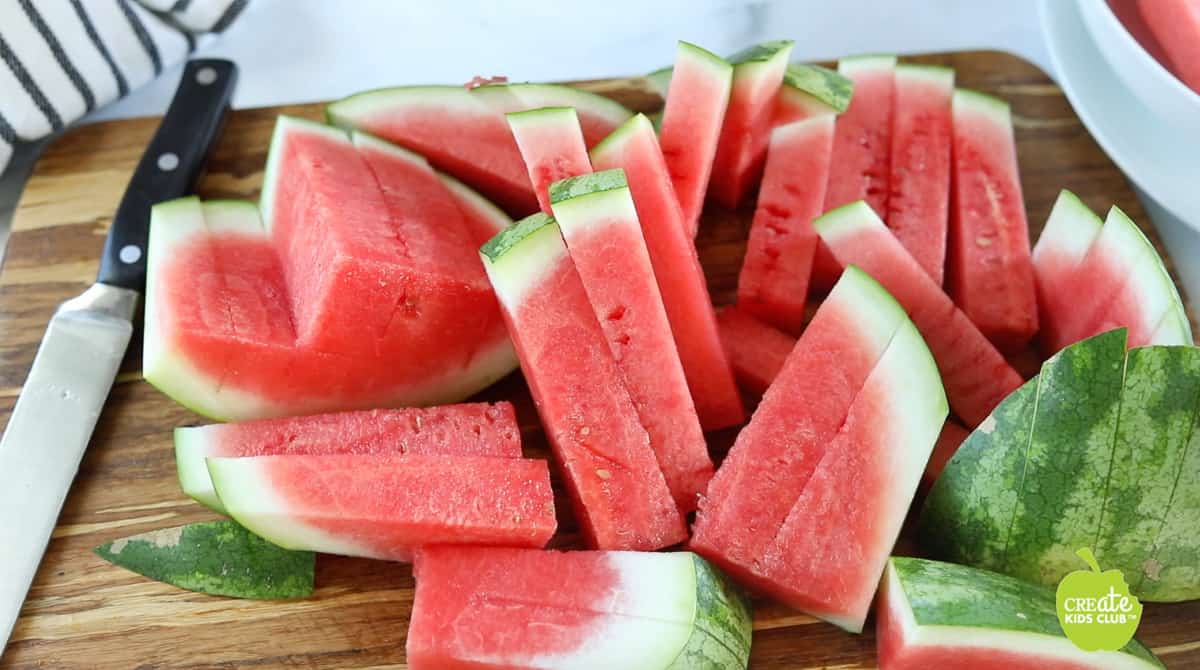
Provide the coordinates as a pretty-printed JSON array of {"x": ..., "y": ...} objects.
[
  {"x": 308, "y": 50},
  {"x": 312, "y": 50}
]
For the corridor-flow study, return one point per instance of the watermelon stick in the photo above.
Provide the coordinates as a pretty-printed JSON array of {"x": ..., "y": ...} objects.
[
  {"x": 742, "y": 148},
  {"x": 621, "y": 497},
  {"x": 551, "y": 145},
  {"x": 634, "y": 148},
  {"x": 599, "y": 222},
  {"x": 518, "y": 609},
  {"x": 773, "y": 283},
  {"x": 989, "y": 268},
  {"x": 919, "y": 198},
  {"x": 691, "y": 124}
]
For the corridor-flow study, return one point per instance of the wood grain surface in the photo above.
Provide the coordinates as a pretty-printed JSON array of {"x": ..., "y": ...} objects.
[{"x": 85, "y": 613}]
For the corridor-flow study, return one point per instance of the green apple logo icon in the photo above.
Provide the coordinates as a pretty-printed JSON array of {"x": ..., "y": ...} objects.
[{"x": 1095, "y": 608}]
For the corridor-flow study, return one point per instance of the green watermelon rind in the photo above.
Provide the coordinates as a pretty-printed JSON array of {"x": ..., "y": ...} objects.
[
  {"x": 827, "y": 87},
  {"x": 660, "y": 80},
  {"x": 763, "y": 52},
  {"x": 722, "y": 625},
  {"x": 594, "y": 183},
  {"x": 1124, "y": 497},
  {"x": 1079, "y": 395},
  {"x": 949, "y": 605},
  {"x": 519, "y": 256},
  {"x": 1155, "y": 443},
  {"x": 496, "y": 98},
  {"x": 217, "y": 558},
  {"x": 192, "y": 447}
]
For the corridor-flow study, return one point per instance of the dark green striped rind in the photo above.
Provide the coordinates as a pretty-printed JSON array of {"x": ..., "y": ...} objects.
[
  {"x": 1100, "y": 450},
  {"x": 1155, "y": 440},
  {"x": 512, "y": 236},
  {"x": 828, "y": 86},
  {"x": 1068, "y": 459},
  {"x": 587, "y": 184},
  {"x": 217, "y": 557},
  {"x": 761, "y": 53},
  {"x": 721, "y": 631},
  {"x": 945, "y": 594},
  {"x": 968, "y": 514}
]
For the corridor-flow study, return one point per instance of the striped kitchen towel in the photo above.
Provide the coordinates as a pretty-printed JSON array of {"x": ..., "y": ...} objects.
[{"x": 63, "y": 58}]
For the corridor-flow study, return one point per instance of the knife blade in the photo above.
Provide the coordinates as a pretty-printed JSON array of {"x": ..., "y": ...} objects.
[{"x": 86, "y": 339}]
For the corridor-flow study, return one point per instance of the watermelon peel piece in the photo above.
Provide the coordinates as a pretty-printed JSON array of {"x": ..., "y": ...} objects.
[
  {"x": 1123, "y": 424},
  {"x": 215, "y": 557},
  {"x": 934, "y": 615}
]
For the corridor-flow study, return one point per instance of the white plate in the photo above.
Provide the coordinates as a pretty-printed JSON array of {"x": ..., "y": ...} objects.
[{"x": 1161, "y": 159}]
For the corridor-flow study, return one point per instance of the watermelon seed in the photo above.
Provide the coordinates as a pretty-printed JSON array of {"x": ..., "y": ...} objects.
[
  {"x": 603, "y": 474},
  {"x": 617, "y": 313},
  {"x": 983, "y": 241}
]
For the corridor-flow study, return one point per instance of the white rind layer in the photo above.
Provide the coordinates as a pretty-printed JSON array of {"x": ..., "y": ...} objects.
[
  {"x": 1070, "y": 230},
  {"x": 524, "y": 266},
  {"x": 244, "y": 488},
  {"x": 193, "y": 445}
]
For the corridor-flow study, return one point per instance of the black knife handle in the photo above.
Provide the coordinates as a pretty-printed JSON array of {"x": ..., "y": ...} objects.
[{"x": 170, "y": 167}]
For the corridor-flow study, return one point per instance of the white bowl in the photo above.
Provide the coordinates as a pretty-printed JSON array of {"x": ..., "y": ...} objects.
[
  {"x": 1141, "y": 73},
  {"x": 1154, "y": 150}
]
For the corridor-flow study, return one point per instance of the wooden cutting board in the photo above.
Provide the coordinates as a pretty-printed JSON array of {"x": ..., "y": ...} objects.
[{"x": 85, "y": 613}]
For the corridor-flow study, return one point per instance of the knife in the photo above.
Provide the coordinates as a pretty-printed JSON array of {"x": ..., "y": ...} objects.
[{"x": 82, "y": 349}]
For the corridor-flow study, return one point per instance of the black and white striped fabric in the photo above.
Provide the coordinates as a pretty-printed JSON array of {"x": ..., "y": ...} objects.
[{"x": 60, "y": 59}]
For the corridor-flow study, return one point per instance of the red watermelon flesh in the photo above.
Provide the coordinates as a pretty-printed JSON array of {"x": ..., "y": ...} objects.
[
  {"x": 975, "y": 374},
  {"x": 1129, "y": 12},
  {"x": 600, "y": 225},
  {"x": 621, "y": 497},
  {"x": 989, "y": 268},
  {"x": 773, "y": 284},
  {"x": 691, "y": 125},
  {"x": 947, "y": 443},
  {"x": 370, "y": 267},
  {"x": 1068, "y": 234},
  {"x": 774, "y": 456},
  {"x": 828, "y": 556},
  {"x": 464, "y": 133},
  {"x": 634, "y": 148},
  {"x": 474, "y": 429},
  {"x": 922, "y": 134},
  {"x": 863, "y": 137},
  {"x": 469, "y": 429},
  {"x": 742, "y": 147},
  {"x": 1176, "y": 25},
  {"x": 386, "y": 505},
  {"x": 552, "y": 147},
  {"x": 756, "y": 350}
]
